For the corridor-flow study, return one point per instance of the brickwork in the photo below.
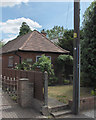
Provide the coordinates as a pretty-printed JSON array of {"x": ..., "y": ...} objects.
[
  {"x": 25, "y": 55},
  {"x": 5, "y": 58},
  {"x": 85, "y": 103},
  {"x": 25, "y": 92}
]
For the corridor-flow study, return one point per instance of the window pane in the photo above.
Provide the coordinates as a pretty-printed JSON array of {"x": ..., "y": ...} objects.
[
  {"x": 37, "y": 57},
  {"x": 29, "y": 60},
  {"x": 10, "y": 64}
]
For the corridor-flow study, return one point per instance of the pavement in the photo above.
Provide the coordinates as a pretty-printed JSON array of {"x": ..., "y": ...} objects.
[
  {"x": 53, "y": 102},
  {"x": 10, "y": 109},
  {"x": 89, "y": 114}
]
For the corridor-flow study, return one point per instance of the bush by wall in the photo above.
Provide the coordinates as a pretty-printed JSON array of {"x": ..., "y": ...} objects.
[{"x": 64, "y": 65}]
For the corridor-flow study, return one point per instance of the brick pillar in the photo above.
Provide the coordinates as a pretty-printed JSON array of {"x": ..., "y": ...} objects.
[{"x": 25, "y": 92}]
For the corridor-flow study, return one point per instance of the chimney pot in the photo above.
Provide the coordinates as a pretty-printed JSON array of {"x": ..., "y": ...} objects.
[{"x": 43, "y": 32}]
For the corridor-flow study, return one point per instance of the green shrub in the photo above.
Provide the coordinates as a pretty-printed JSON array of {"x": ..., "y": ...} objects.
[
  {"x": 53, "y": 80},
  {"x": 84, "y": 79},
  {"x": 65, "y": 59},
  {"x": 64, "y": 66},
  {"x": 14, "y": 97},
  {"x": 44, "y": 63},
  {"x": 24, "y": 66},
  {"x": 93, "y": 92},
  {"x": 66, "y": 82}
]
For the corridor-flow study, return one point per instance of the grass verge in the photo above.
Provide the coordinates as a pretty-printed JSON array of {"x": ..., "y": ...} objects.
[{"x": 65, "y": 92}]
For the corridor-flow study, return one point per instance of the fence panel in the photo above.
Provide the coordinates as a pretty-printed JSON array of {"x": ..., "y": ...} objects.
[
  {"x": 17, "y": 74},
  {"x": 31, "y": 76},
  {"x": 13, "y": 74},
  {"x": 38, "y": 86},
  {"x": 23, "y": 74},
  {"x": 10, "y": 78}
]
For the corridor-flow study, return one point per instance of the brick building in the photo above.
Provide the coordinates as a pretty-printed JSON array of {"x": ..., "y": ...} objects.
[{"x": 29, "y": 47}]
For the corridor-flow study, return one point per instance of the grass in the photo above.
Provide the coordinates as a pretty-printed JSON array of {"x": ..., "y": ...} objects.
[{"x": 65, "y": 92}]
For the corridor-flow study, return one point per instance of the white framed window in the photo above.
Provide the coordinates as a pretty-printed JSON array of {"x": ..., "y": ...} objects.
[
  {"x": 37, "y": 57},
  {"x": 10, "y": 61}
]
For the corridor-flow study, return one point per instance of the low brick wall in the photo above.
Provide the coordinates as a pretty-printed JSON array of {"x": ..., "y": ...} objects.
[{"x": 85, "y": 103}]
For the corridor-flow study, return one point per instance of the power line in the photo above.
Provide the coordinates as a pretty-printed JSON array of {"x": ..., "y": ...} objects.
[{"x": 67, "y": 15}]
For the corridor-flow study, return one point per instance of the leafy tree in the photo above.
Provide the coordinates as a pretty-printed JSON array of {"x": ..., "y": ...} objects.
[
  {"x": 24, "y": 29},
  {"x": 65, "y": 37},
  {"x": 88, "y": 47},
  {"x": 44, "y": 63},
  {"x": 64, "y": 66},
  {"x": 55, "y": 32},
  {"x": 66, "y": 42}
]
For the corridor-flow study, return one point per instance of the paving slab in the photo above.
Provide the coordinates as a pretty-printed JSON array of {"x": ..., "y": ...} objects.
[
  {"x": 89, "y": 113},
  {"x": 52, "y": 102}
]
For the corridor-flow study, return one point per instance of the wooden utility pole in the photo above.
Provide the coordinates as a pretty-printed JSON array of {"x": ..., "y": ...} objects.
[{"x": 76, "y": 68}]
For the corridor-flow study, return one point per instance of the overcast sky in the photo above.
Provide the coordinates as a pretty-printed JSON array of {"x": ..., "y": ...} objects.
[{"x": 38, "y": 15}]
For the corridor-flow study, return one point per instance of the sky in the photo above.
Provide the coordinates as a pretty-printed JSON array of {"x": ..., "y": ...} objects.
[{"x": 38, "y": 15}]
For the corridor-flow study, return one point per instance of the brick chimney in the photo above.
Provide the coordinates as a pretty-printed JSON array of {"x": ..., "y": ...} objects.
[{"x": 43, "y": 32}]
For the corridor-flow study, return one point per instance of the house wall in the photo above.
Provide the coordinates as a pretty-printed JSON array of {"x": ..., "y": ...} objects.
[
  {"x": 5, "y": 59},
  {"x": 25, "y": 55}
]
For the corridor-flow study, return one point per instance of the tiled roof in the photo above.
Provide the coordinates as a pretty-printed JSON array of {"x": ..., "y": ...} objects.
[{"x": 33, "y": 41}]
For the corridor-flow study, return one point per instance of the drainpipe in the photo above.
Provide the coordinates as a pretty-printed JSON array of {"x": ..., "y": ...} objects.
[{"x": 19, "y": 57}]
